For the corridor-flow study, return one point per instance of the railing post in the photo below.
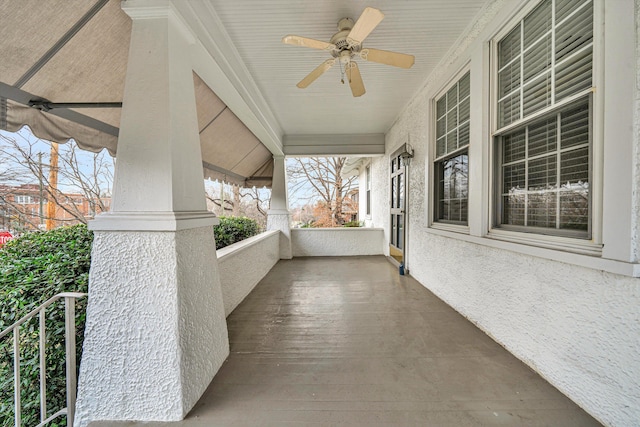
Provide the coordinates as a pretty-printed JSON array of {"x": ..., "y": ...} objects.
[
  {"x": 70, "y": 343},
  {"x": 16, "y": 374},
  {"x": 43, "y": 366}
]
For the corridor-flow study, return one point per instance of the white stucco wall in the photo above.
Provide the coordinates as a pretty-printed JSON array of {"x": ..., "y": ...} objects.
[
  {"x": 575, "y": 324},
  {"x": 636, "y": 144},
  {"x": 243, "y": 264},
  {"x": 337, "y": 241},
  {"x": 380, "y": 198}
]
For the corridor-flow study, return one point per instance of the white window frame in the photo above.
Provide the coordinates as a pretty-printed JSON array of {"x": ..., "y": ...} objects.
[
  {"x": 434, "y": 223},
  {"x": 23, "y": 199},
  {"x": 592, "y": 246}
]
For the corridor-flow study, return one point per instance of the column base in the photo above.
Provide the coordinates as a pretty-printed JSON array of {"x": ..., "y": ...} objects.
[{"x": 156, "y": 332}]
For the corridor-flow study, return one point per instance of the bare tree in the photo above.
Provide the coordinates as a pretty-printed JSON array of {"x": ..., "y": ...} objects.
[
  {"x": 218, "y": 200},
  {"x": 257, "y": 200},
  {"x": 319, "y": 179},
  {"x": 82, "y": 187},
  {"x": 230, "y": 199}
]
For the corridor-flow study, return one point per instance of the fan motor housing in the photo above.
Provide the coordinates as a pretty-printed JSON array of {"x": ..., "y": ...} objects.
[
  {"x": 345, "y": 25},
  {"x": 340, "y": 39}
]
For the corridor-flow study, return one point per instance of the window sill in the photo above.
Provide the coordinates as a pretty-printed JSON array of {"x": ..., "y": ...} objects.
[
  {"x": 535, "y": 247},
  {"x": 567, "y": 244},
  {"x": 454, "y": 228}
]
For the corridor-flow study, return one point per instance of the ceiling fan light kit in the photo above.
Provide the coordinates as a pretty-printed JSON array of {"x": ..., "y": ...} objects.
[{"x": 345, "y": 45}]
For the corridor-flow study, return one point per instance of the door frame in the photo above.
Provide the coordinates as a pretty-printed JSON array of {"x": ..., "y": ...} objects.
[{"x": 398, "y": 174}]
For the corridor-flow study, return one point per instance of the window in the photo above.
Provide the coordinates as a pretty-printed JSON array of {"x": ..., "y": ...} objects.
[
  {"x": 368, "y": 189},
  {"x": 543, "y": 141},
  {"x": 452, "y": 159},
  {"x": 24, "y": 200}
]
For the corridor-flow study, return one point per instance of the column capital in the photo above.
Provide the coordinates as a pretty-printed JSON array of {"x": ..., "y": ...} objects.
[
  {"x": 152, "y": 221},
  {"x": 278, "y": 212},
  {"x": 155, "y": 9}
]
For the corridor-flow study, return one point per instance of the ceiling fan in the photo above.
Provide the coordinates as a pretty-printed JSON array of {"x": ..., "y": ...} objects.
[{"x": 345, "y": 45}]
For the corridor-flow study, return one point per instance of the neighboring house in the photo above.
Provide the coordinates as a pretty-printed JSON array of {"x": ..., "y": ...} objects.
[
  {"x": 350, "y": 204},
  {"x": 503, "y": 172},
  {"x": 20, "y": 207}
]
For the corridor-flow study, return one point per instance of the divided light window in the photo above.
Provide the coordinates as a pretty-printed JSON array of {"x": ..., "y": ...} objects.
[
  {"x": 24, "y": 200},
  {"x": 543, "y": 140},
  {"x": 452, "y": 153}
]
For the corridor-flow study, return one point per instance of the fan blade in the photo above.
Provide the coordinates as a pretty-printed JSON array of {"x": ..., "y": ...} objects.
[
  {"x": 312, "y": 76},
  {"x": 355, "y": 79},
  {"x": 369, "y": 20},
  {"x": 394, "y": 59},
  {"x": 307, "y": 42}
]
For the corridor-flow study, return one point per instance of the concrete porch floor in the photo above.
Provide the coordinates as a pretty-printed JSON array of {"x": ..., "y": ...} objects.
[{"x": 347, "y": 341}]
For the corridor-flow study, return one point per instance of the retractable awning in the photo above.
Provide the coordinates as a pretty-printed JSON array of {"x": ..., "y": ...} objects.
[{"x": 62, "y": 73}]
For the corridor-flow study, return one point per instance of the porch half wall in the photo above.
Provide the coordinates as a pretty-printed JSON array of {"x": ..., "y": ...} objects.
[
  {"x": 242, "y": 265},
  {"x": 337, "y": 241}
]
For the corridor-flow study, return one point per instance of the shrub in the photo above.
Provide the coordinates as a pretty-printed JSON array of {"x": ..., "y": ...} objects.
[
  {"x": 33, "y": 268},
  {"x": 353, "y": 224},
  {"x": 233, "y": 229}
]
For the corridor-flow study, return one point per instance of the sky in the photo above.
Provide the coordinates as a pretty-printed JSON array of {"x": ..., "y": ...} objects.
[{"x": 24, "y": 138}]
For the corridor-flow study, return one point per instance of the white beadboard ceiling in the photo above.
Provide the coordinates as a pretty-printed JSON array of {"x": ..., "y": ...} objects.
[{"x": 427, "y": 29}]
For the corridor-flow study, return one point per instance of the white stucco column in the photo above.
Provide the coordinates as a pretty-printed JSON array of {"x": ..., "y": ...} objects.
[
  {"x": 156, "y": 333},
  {"x": 278, "y": 216}
]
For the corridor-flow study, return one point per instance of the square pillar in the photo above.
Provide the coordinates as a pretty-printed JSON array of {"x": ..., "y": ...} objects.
[
  {"x": 156, "y": 332},
  {"x": 278, "y": 216}
]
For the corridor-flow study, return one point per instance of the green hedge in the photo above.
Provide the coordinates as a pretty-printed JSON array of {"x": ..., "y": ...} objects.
[
  {"x": 33, "y": 268},
  {"x": 233, "y": 229},
  {"x": 353, "y": 224}
]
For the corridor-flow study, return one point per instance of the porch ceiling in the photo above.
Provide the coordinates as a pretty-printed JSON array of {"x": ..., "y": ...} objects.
[
  {"x": 426, "y": 29},
  {"x": 76, "y": 51}
]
